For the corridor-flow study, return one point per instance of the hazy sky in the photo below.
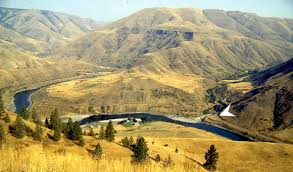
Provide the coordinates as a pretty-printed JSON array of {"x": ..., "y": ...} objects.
[{"x": 109, "y": 10}]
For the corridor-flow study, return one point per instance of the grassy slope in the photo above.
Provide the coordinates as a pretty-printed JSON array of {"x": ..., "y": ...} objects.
[{"x": 191, "y": 143}]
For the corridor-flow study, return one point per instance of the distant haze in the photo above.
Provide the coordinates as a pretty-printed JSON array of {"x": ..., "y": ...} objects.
[{"x": 110, "y": 10}]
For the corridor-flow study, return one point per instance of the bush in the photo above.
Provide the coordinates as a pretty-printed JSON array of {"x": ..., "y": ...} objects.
[
  {"x": 38, "y": 133},
  {"x": 125, "y": 142},
  {"x": 81, "y": 142},
  {"x": 158, "y": 158},
  {"x": 97, "y": 153},
  {"x": 7, "y": 118},
  {"x": 176, "y": 150},
  {"x": 24, "y": 113},
  {"x": 91, "y": 133},
  {"x": 57, "y": 135},
  {"x": 102, "y": 133},
  {"x": 18, "y": 129},
  {"x": 211, "y": 157},
  {"x": 168, "y": 162}
]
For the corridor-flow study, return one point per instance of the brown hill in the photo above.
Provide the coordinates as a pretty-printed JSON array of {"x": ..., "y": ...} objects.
[{"x": 183, "y": 41}]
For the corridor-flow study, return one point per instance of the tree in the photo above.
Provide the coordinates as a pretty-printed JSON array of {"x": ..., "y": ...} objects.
[
  {"x": 97, "y": 153},
  {"x": 35, "y": 116},
  {"x": 57, "y": 135},
  {"x": 102, "y": 133},
  {"x": 140, "y": 151},
  {"x": 211, "y": 157},
  {"x": 110, "y": 132},
  {"x": 73, "y": 130},
  {"x": 18, "y": 129},
  {"x": 24, "y": 113},
  {"x": 7, "y": 118},
  {"x": 38, "y": 133},
  {"x": 125, "y": 142},
  {"x": 158, "y": 158},
  {"x": 2, "y": 134},
  {"x": 131, "y": 141},
  {"x": 55, "y": 121}
]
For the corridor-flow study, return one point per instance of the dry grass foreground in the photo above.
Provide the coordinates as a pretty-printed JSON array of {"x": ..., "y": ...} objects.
[{"x": 65, "y": 155}]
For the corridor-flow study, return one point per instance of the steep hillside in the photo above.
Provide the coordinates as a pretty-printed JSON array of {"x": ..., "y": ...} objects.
[
  {"x": 39, "y": 30},
  {"x": 266, "y": 108},
  {"x": 179, "y": 40}
]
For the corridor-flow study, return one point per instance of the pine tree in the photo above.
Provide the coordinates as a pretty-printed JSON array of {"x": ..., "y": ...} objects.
[
  {"x": 55, "y": 121},
  {"x": 38, "y": 133},
  {"x": 35, "y": 116},
  {"x": 97, "y": 153},
  {"x": 81, "y": 142},
  {"x": 125, "y": 142},
  {"x": 24, "y": 113},
  {"x": 57, "y": 135},
  {"x": 7, "y": 118},
  {"x": 2, "y": 134},
  {"x": 110, "y": 132},
  {"x": 131, "y": 141},
  {"x": 77, "y": 131},
  {"x": 211, "y": 157},
  {"x": 158, "y": 158},
  {"x": 102, "y": 133},
  {"x": 18, "y": 129},
  {"x": 68, "y": 128},
  {"x": 140, "y": 151}
]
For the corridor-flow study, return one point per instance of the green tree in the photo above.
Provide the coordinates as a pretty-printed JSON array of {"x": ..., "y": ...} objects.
[
  {"x": 35, "y": 116},
  {"x": 47, "y": 124},
  {"x": 2, "y": 134},
  {"x": 38, "y": 133},
  {"x": 140, "y": 151},
  {"x": 131, "y": 141},
  {"x": 18, "y": 129},
  {"x": 7, "y": 118},
  {"x": 125, "y": 142},
  {"x": 57, "y": 135},
  {"x": 211, "y": 157},
  {"x": 55, "y": 121},
  {"x": 102, "y": 133},
  {"x": 97, "y": 153},
  {"x": 110, "y": 132},
  {"x": 158, "y": 158},
  {"x": 24, "y": 113},
  {"x": 91, "y": 133}
]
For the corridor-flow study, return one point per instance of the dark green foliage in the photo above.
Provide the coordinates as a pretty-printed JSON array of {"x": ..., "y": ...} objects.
[
  {"x": 110, "y": 132},
  {"x": 158, "y": 158},
  {"x": 97, "y": 153},
  {"x": 211, "y": 157},
  {"x": 140, "y": 151},
  {"x": 55, "y": 121},
  {"x": 73, "y": 130},
  {"x": 81, "y": 142},
  {"x": 18, "y": 129},
  {"x": 57, "y": 135},
  {"x": 125, "y": 142},
  {"x": 38, "y": 133},
  {"x": 2, "y": 134},
  {"x": 131, "y": 141},
  {"x": 102, "y": 133},
  {"x": 24, "y": 113},
  {"x": 7, "y": 118},
  {"x": 168, "y": 162}
]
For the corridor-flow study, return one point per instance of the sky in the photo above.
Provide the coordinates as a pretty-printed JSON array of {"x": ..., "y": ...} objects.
[{"x": 110, "y": 10}]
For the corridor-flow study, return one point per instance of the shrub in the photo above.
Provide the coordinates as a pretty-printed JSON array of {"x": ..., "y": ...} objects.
[
  {"x": 81, "y": 142},
  {"x": 158, "y": 158},
  {"x": 102, "y": 133},
  {"x": 2, "y": 134},
  {"x": 92, "y": 133},
  {"x": 168, "y": 162},
  {"x": 176, "y": 150},
  {"x": 97, "y": 153},
  {"x": 18, "y": 129},
  {"x": 24, "y": 113},
  {"x": 125, "y": 142},
  {"x": 7, "y": 118},
  {"x": 57, "y": 135},
  {"x": 38, "y": 133}
]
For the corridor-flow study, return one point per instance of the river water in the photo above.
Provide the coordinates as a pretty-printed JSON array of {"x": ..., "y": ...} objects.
[{"x": 23, "y": 99}]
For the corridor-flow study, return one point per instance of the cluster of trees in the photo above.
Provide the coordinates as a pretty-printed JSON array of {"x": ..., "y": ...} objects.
[
  {"x": 27, "y": 115},
  {"x": 109, "y": 133}
]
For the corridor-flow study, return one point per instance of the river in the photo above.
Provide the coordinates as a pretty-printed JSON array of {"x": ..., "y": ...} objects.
[{"x": 23, "y": 99}]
